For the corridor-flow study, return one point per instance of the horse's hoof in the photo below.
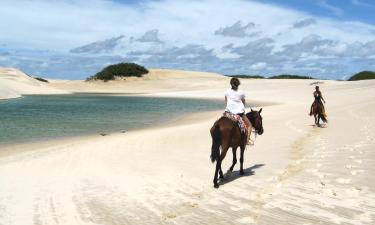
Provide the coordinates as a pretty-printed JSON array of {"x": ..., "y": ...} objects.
[
  {"x": 221, "y": 177},
  {"x": 216, "y": 185},
  {"x": 242, "y": 172},
  {"x": 228, "y": 174}
]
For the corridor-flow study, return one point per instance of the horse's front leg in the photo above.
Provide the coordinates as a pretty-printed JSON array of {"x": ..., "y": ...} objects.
[
  {"x": 242, "y": 159},
  {"x": 221, "y": 174}
]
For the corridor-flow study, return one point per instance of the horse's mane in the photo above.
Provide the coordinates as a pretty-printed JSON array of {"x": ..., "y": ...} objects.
[{"x": 250, "y": 116}]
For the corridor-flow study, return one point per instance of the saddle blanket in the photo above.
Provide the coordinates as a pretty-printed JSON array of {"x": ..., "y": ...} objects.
[{"x": 238, "y": 119}]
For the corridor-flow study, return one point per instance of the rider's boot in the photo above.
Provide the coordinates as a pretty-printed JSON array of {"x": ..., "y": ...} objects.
[{"x": 248, "y": 140}]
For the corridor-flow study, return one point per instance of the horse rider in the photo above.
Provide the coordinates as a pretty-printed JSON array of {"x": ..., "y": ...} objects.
[
  {"x": 235, "y": 104},
  {"x": 318, "y": 99}
]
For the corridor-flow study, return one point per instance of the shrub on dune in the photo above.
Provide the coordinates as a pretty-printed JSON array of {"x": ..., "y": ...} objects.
[
  {"x": 364, "y": 75},
  {"x": 288, "y": 76},
  {"x": 119, "y": 70},
  {"x": 247, "y": 76},
  {"x": 41, "y": 79}
]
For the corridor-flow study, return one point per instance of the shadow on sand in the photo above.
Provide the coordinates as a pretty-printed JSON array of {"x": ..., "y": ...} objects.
[
  {"x": 229, "y": 177},
  {"x": 324, "y": 125}
]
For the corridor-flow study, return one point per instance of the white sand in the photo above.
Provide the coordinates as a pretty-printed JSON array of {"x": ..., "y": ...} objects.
[
  {"x": 158, "y": 80},
  {"x": 14, "y": 84},
  {"x": 296, "y": 173}
]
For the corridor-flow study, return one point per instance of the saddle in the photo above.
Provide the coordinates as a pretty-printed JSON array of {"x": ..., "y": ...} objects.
[{"x": 237, "y": 119}]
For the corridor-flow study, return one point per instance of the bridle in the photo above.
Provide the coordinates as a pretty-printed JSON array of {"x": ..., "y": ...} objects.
[
  {"x": 252, "y": 121},
  {"x": 255, "y": 131}
]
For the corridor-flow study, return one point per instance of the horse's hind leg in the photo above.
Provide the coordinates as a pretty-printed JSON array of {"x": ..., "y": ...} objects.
[
  {"x": 318, "y": 123},
  {"x": 218, "y": 166},
  {"x": 216, "y": 185},
  {"x": 234, "y": 151},
  {"x": 222, "y": 156},
  {"x": 242, "y": 159}
]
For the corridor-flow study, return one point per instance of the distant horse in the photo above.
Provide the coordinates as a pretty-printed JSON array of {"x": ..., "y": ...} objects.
[
  {"x": 226, "y": 134},
  {"x": 318, "y": 112}
]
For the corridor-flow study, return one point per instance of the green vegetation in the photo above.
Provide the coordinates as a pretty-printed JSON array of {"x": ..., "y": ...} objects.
[
  {"x": 288, "y": 76},
  {"x": 41, "y": 79},
  {"x": 283, "y": 76},
  {"x": 119, "y": 70},
  {"x": 364, "y": 75},
  {"x": 247, "y": 76}
]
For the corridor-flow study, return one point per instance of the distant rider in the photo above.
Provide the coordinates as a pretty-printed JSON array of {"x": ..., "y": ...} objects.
[{"x": 318, "y": 99}]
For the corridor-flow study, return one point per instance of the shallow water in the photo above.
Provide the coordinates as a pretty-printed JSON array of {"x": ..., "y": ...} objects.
[{"x": 35, "y": 118}]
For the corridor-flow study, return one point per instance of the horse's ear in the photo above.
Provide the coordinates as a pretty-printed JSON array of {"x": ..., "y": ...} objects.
[
  {"x": 260, "y": 110},
  {"x": 251, "y": 110}
]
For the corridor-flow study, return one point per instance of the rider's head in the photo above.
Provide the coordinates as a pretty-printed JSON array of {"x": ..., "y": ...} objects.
[
  {"x": 235, "y": 82},
  {"x": 317, "y": 88}
]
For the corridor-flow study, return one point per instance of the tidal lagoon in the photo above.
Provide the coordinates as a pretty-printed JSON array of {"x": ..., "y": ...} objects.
[{"x": 35, "y": 118}]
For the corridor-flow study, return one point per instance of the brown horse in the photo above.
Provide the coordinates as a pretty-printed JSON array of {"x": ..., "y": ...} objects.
[
  {"x": 226, "y": 134},
  {"x": 318, "y": 112}
]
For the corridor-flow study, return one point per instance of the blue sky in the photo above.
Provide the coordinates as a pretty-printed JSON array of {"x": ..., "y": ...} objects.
[
  {"x": 74, "y": 39},
  {"x": 360, "y": 10}
]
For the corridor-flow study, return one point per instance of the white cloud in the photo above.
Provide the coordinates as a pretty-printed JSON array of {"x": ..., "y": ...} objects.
[
  {"x": 150, "y": 36},
  {"x": 361, "y": 3},
  {"x": 237, "y": 30},
  {"x": 63, "y": 25},
  {"x": 258, "y": 66},
  {"x": 188, "y": 33},
  {"x": 96, "y": 47},
  {"x": 335, "y": 10},
  {"x": 304, "y": 23}
]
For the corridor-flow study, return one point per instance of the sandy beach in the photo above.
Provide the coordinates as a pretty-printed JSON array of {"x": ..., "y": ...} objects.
[{"x": 296, "y": 173}]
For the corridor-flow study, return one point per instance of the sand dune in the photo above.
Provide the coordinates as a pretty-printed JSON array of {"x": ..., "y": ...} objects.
[
  {"x": 157, "y": 80},
  {"x": 14, "y": 83},
  {"x": 295, "y": 173}
]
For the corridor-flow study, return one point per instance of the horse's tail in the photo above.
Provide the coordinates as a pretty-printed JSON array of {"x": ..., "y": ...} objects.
[
  {"x": 216, "y": 139},
  {"x": 323, "y": 117},
  {"x": 322, "y": 113}
]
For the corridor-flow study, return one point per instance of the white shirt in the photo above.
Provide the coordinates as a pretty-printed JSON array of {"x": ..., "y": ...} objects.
[{"x": 234, "y": 101}]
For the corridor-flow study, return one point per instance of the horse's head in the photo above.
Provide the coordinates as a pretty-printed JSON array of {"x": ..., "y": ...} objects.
[{"x": 256, "y": 120}]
